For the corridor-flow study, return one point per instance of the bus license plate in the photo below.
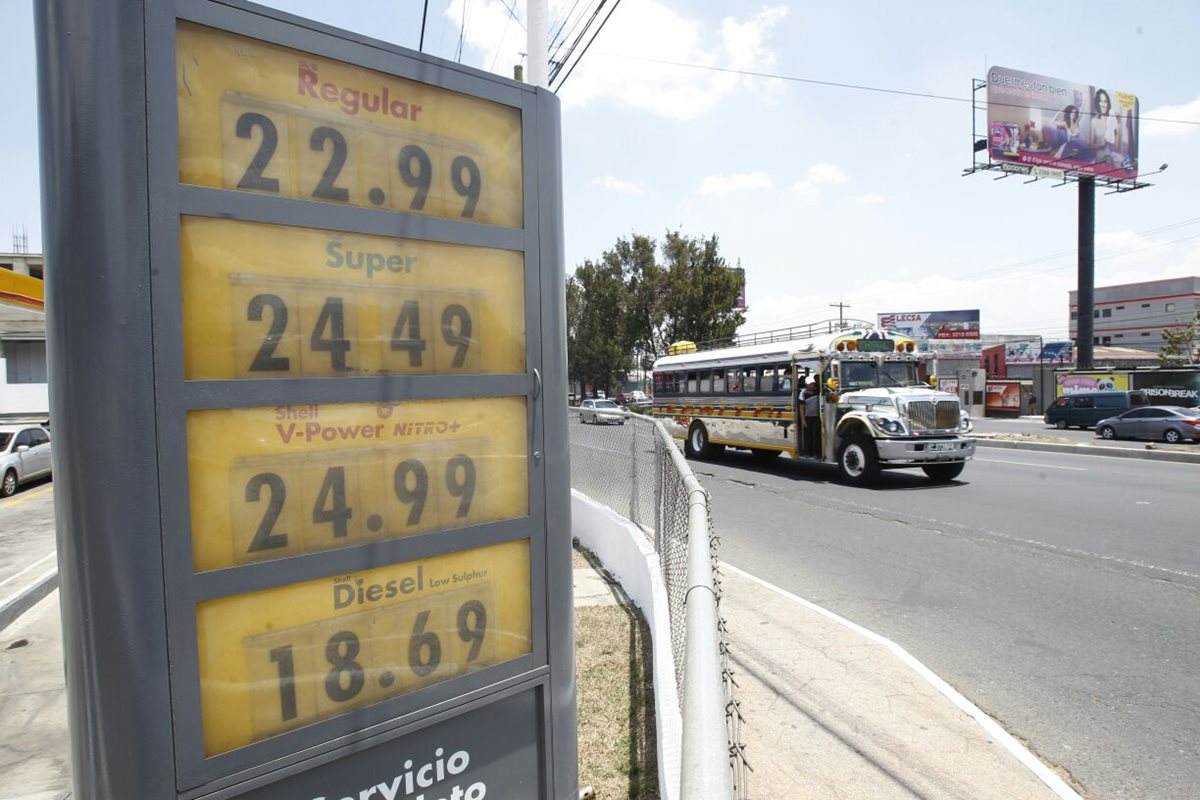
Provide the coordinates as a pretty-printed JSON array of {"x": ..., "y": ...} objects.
[{"x": 939, "y": 447}]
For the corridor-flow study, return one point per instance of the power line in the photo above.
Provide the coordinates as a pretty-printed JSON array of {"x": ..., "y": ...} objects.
[
  {"x": 586, "y": 47},
  {"x": 424, "y": 16},
  {"x": 861, "y": 87},
  {"x": 511, "y": 16}
]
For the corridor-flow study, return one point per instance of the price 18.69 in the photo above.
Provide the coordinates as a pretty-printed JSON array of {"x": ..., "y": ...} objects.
[{"x": 313, "y": 672}]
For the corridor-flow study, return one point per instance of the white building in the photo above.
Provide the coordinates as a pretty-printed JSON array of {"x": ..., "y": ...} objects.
[
  {"x": 23, "y": 389},
  {"x": 1134, "y": 314}
]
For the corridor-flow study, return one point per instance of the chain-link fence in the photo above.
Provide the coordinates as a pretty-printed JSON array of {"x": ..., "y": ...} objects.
[{"x": 630, "y": 463}]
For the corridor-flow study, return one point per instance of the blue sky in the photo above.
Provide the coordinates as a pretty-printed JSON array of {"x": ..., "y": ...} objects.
[{"x": 824, "y": 194}]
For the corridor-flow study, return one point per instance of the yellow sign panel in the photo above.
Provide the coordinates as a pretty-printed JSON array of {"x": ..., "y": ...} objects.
[
  {"x": 258, "y": 117},
  {"x": 272, "y": 482},
  {"x": 277, "y": 301},
  {"x": 280, "y": 658}
]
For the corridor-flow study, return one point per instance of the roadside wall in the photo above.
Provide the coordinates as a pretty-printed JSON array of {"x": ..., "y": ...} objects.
[{"x": 626, "y": 554}]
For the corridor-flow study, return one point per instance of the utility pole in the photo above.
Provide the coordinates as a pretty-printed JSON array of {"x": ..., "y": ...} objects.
[
  {"x": 538, "y": 43},
  {"x": 840, "y": 307}
]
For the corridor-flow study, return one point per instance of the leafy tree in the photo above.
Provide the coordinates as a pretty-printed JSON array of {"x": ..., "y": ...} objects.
[
  {"x": 630, "y": 302},
  {"x": 701, "y": 291},
  {"x": 596, "y": 352},
  {"x": 1181, "y": 345}
]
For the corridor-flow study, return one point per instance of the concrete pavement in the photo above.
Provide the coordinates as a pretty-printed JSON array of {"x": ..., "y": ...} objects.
[{"x": 832, "y": 711}]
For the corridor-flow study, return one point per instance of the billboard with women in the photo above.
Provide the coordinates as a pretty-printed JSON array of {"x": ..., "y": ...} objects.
[{"x": 1045, "y": 126}]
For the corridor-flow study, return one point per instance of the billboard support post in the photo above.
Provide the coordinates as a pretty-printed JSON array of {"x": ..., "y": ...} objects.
[{"x": 1087, "y": 271}]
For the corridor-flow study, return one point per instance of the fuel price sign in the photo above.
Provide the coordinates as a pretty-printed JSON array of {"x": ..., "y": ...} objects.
[
  {"x": 257, "y": 117},
  {"x": 277, "y": 481},
  {"x": 279, "y": 301},
  {"x": 281, "y": 658}
]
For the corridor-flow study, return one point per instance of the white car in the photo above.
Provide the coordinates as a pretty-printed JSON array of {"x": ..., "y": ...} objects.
[
  {"x": 603, "y": 412},
  {"x": 24, "y": 456}
]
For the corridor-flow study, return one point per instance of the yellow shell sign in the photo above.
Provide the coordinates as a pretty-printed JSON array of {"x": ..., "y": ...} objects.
[
  {"x": 278, "y": 301},
  {"x": 272, "y": 482},
  {"x": 280, "y": 658},
  {"x": 258, "y": 117}
]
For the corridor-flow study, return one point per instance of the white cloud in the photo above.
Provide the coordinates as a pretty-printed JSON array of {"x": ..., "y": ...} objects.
[
  {"x": 1188, "y": 112},
  {"x": 746, "y": 181},
  {"x": 870, "y": 199},
  {"x": 819, "y": 176},
  {"x": 617, "y": 185},
  {"x": 617, "y": 67}
]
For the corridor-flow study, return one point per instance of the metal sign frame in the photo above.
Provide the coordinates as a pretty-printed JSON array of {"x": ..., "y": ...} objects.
[{"x": 113, "y": 203}]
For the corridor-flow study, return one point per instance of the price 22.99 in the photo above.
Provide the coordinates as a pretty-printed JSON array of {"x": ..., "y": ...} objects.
[{"x": 413, "y": 164}]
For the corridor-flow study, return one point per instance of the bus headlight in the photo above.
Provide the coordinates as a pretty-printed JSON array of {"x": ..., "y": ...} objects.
[
  {"x": 964, "y": 422},
  {"x": 890, "y": 425}
]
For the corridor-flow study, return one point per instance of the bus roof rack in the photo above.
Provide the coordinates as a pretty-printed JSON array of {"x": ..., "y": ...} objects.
[{"x": 785, "y": 334}]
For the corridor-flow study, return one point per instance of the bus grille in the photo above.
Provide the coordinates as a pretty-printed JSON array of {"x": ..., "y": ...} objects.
[{"x": 926, "y": 415}]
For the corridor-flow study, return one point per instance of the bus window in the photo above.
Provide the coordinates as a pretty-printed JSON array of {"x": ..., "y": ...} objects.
[
  {"x": 858, "y": 375},
  {"x": 675, "y": 382},
  {"x": 738, "y": 380},
  {"x": 705, "y": 386},
  {"x": 718, "y": 385},
  {"x": 692, "y": 382},
  {"x": 785, "y": 379},
  {"x": 661, "y": 382}
]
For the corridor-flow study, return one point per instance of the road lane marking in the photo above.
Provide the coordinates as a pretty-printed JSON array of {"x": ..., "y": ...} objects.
[
  {"x": 993, "y": 729},
  {"x": 25, "y": 497},
  {"x": 46, "y": 557},
  {"x": 1029, "y": 464}
]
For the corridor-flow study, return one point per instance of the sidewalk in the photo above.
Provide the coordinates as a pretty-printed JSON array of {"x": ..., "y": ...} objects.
[{"x": 834, "y": 713}]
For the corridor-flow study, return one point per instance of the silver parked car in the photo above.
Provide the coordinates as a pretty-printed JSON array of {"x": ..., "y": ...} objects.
[
  {"x": 601, "y": 411},
  {"x": 24, "y": 456},
  {"x": 1166, "y": 423}
]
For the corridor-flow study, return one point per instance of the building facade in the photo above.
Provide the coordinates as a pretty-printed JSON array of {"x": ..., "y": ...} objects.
[
  {"x": 1134, "y": 314},
  {"x": 23, "y": 388}
]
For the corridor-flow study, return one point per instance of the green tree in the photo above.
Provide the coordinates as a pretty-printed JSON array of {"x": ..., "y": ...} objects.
[
  {"x": 1181, "y": 345},
  {"x": 701, "y": 291},
  {"x": 595, "y": 347},
  {"x": 629, "y": 302}
]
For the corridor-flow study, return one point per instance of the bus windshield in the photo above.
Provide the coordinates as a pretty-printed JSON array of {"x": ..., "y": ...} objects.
[{"x": 866, "y": 374}]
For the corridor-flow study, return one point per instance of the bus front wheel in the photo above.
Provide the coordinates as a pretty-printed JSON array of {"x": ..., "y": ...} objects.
[{"x": 858, "y": 460}]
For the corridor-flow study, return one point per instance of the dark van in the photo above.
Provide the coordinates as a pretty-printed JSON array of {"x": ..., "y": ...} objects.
[{"x": 1085, "y": 410}]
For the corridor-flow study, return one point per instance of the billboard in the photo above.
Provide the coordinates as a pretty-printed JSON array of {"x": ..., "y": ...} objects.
[
  {"x": 1003, "y": 396},
  {"x": 1030, "y": 352},
  {"x": 935, "y": 325},
  {"x": 1085, "y": 382},
  {"x": 1180, "y": 388},
  {"x": 1046, "y": 126}
]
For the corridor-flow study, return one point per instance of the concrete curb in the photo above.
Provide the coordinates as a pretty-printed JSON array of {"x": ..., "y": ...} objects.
[
  {"x": 1090, "y": 450},
  {"x": 14, "y": 606}
]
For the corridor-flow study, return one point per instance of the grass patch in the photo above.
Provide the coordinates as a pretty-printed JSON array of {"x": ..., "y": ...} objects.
[{"x": 617, "y": 741}]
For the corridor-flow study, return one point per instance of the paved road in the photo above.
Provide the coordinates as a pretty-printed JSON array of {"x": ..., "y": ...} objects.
[
  {"x": 1060, "y": 593},
  {"x": 26, "y": 536},
  {"x": 1035, "y": 427}
]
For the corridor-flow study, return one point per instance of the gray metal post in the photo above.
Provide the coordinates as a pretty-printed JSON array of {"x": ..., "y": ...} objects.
[
  {"x": 560, "y": 588},
  {"x": 92, "y": 119},
  {"x": 1087, "y": 272}
]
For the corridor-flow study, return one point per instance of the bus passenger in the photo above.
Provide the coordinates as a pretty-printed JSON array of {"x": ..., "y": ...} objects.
[{"x": 812, "y": 418}]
